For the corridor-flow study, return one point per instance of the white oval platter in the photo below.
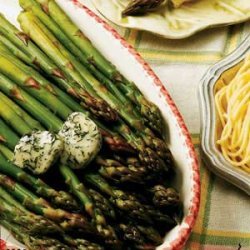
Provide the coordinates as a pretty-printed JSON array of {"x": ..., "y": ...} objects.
[{"x": 125, "y": 58}]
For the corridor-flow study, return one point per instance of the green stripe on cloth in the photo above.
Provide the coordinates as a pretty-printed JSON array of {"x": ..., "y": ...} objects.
[
  {"x": 207, "y": 209},
  {"x": 220, "y": 240}
]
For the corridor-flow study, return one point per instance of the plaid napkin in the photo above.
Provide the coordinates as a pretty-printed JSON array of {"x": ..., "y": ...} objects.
[{"x": 224, "y": 219}]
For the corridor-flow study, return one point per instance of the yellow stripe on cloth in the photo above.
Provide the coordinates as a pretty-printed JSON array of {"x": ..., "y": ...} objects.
[
  {"x": 228, "y": 234},
  {"x": 178, "y": 56}
]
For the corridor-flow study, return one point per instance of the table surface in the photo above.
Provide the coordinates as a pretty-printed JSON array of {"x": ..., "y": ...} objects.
[{"x": 224, "y": 219}]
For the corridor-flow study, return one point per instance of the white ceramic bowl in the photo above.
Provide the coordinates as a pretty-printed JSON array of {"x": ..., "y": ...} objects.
[
  {"x": 125, "y": 58},
  {"x": 212, "y": 156}
]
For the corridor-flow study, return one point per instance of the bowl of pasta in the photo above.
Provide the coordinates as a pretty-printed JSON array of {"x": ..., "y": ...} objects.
[{"x": 224, "y": 94}]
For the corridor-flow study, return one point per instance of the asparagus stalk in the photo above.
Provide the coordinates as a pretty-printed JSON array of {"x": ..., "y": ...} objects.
[
  {"x": 99, "y": 220},
  {"x": 150, "y": 112},
  {"x": 36, "y": 58},
  {"x": 78, "y": 244},
  {"x": 147, "y": 155},
  {"x": 151, "y": 234},
  {"x": 138, "y": 235},
  {"x": 112, "y": 139},
  {"x": 134, "y": 121},
  {"x": 83, "y": 195},
  {"x": 9, "y": 138},
  {"x": 78, "y": 38},
  {"x": 34, "y": 28},
  {"x": 51, "y": 122},
  {"x": 141, "y": 7},
  {"x": 47, "y": 118},
  {"x": 46, "y": 41},
  {"x": 123, "y": 201},
  {"x": 6, "y": 152},
  {"x": 14, "y": 203},
  {"x": 131, "y": 234},
  {"x": 118, "y": 173},
  {"x": 163, "y": 197},
  {"x": 35, "y": 88},
  {"x": 33, "y": 242},
  {"x": 77, "y": 188},
  {"x": 67, "y": 221},
  {"x": 8, "y": 114},
  {"x": 148, "y": 141},
  {"x": 34, "y": 124},
  {"x": 69, "y": 34},
  {"x": 60, "y": 35},
  {"x": 81, "y": 244},
  {"x": 6, "y": 45},
  {"x": 103, "y": 204},
  {"x": 160, "y": 218},
  {"x": 34, "y": 224},
  {"x": 58, "y": 198}
]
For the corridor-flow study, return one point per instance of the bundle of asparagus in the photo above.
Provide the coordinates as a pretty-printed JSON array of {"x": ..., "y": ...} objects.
[{"x": 48, "y": 71}]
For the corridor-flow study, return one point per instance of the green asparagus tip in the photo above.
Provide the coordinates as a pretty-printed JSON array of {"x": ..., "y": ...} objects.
[
  {"x": 2, "y": 139},
  {"x": 165, "y": 197}
]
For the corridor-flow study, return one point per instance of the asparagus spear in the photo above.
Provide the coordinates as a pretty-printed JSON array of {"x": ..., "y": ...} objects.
[
  {"x": 81, "y": 192},
  {"x": 59, "y": 198},
  {"x": 9, "y": 138},
  {"x": 160, "y": 218},
  {"x": 103, "y": 204},
  {"x": 147, "y": 155},
  {"x": 48, "y": 43},
  {"x": 50, "y": 227},
  {"x": 67, "y": 221},
  {"x": 151, "y": 234},
  {"x": 8, "y": 114},
  {"x": 51, "y": 122},
  {"x": 6, "y": 152},
  {"x": 30, "y": 104},
  {"x": 112, "y": 139},
  {"x": 150, "y": 112},
  {"x": 123, "y": 201},
  {"x": 60, "y": 35},
  {"x": 7, "y": 45},
  {"x": 138, "y": 235},
  {"x": 27, "y": 81},
  {"x": 67, "y": 32},
  {"x": 141, "y": 7},
  {"x": 163, "y": 197},
  {"x": 155, "y": 144},
  {"x": 118, "y": 173},
  {"x": 81, "y": 244},
  {"x": 33, "y": 242},
  {"x": 36, "y": 58},
  {"x": 78, "y": 38},
  {"x": 77, "y": 188},
  {"x": 39, "y": 33},
  {"x": 21, "y": 113},
  {"x": 133, "y": 120},
  {"x": 35, "y": 224},
  {"x": 131, "y": 234}
]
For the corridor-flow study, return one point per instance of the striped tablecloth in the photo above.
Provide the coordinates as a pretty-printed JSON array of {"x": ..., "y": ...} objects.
[{"x": 224, "y": 219}]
